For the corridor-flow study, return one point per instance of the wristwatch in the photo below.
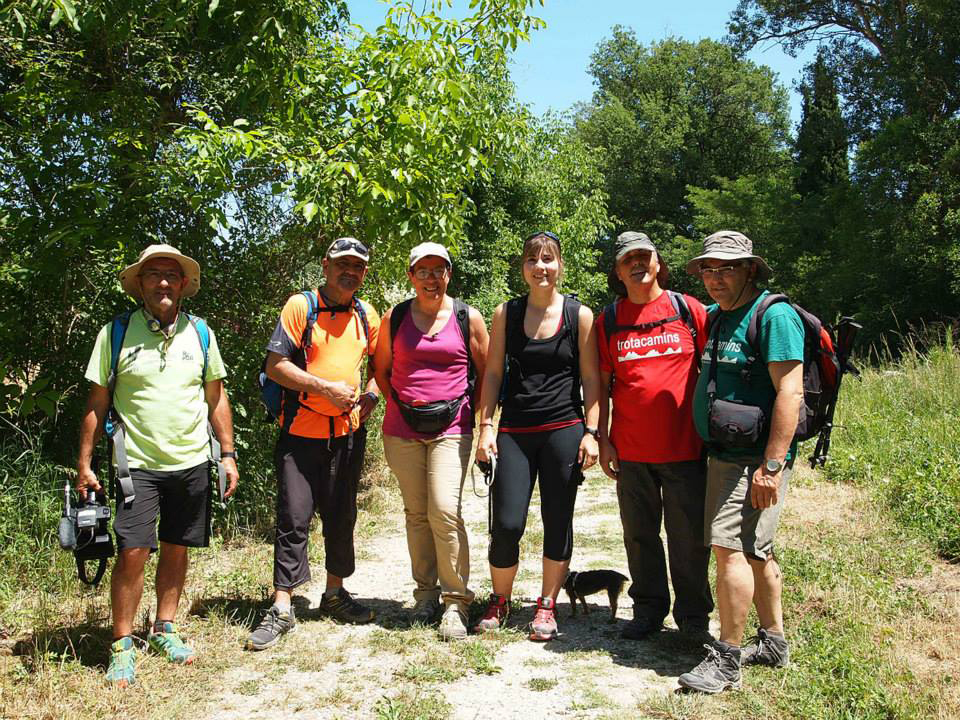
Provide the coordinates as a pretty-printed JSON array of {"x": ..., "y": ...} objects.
[
  {"x": 229, "y": 454},
  {"x": 592, "y": 431},
  {"x": 772, "y": 466},
  {"x": 373, "y": 396}
]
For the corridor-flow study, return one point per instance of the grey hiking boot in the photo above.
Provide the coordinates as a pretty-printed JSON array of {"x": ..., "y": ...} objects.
[
  {"x": 344, "y": 608},
  {"x": 766, "y": 649},
  {"x": 719, "y": 670},
  {"x": 453, "y": 626},
  {"x": 273, "y": 625},
  {"x": 425, "y": 611}
]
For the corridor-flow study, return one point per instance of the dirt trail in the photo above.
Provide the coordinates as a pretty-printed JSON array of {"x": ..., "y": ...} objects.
[{"x": 387, "y": 669}]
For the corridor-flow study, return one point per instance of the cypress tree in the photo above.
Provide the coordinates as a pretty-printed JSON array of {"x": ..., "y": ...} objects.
[{"x": 821, "y": 152}]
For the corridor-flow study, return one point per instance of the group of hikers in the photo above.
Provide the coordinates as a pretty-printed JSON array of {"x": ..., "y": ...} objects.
[{"x": 701, "y": 437}]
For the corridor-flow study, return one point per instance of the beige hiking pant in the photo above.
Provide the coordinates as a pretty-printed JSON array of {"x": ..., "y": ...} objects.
[{"x": 431, "y": 474}]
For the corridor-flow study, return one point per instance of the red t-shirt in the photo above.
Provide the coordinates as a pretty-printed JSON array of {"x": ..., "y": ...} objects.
[{"x": 655, "y": 373}]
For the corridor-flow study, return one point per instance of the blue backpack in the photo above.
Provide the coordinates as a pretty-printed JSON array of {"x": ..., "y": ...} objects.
[{"x": 277, "y": 398}]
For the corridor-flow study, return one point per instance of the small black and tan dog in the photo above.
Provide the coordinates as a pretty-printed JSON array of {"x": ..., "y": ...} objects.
[{"x": 588, "y": 582}]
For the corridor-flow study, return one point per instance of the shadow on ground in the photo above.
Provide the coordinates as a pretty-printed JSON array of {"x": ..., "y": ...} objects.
[{"x": 88, "y": 643}]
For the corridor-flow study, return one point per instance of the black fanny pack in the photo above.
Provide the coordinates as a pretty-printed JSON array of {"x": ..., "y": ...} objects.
[
  {"x": 735, "y": 425},
  {"x": 430, "y": 418}
]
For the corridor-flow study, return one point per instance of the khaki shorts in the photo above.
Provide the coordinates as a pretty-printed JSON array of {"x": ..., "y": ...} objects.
[{"x": 730, "y": 521}]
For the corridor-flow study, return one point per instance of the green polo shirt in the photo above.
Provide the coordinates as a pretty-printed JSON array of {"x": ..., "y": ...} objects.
[
  {"x": 159, "y": 392},
  {"x": 780, "y": 337}
]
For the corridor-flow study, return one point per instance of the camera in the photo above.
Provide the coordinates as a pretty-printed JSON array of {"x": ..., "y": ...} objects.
[{"x": 85, "y": 530}]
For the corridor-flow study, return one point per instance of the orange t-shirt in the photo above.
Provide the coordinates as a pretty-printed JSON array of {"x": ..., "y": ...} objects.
[{"x": 337, "y": 352}]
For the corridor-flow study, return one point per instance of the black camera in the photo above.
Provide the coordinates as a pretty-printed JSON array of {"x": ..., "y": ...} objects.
[{"x": 85, "y": 530}]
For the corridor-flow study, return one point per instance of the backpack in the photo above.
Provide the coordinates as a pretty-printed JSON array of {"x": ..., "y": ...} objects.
[
  {"x": 821, "y": 368},
  {"x": 280, "y": 400},
  {"x": 680, "y": 307},
  {"x": 113, "y": 424}
]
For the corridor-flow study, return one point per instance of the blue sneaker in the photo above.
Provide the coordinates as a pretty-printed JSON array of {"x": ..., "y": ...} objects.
[
  {"x": 167, "y": 642},
  {"x": 120, "y": 672}
]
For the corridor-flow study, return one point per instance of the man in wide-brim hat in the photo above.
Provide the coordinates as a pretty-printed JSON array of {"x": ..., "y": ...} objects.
[
  {"x": 165, "y": 388},
  {"x": 746, "y": 406}
]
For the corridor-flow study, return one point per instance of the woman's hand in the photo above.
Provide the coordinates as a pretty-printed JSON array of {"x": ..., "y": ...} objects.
[
  {"x": 486, "y": 443},
  {"x": 589, "y": 451}
]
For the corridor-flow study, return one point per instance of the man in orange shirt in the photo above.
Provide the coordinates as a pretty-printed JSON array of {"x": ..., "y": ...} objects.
[{"x": 319, "y": 452}]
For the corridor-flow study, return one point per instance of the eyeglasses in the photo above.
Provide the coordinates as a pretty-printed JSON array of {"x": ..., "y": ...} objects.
[
  {"x": 344, "y": 244},
  {"x": 720, "y": 272},
  {"x": 155, "y": 276},
  {"x": 424, "y": 273}
]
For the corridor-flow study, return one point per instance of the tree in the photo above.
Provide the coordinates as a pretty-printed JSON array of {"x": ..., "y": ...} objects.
[
  {"x": 821, "y": 148},
  {"x": 678, "y": 114}
]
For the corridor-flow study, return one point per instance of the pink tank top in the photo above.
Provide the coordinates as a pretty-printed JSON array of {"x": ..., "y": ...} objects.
[{"x": 428, "y": 368}]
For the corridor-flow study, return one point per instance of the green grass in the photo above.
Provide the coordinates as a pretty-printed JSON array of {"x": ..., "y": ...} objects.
[{"x": 899, "y": 434}]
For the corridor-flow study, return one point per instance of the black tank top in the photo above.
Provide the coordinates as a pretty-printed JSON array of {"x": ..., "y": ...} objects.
[{"x": 542, "y": 377}]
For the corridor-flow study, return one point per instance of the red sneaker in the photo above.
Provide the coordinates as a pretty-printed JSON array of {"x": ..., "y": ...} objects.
[
  {"x": 495, "y": 616},
  {"x": 544, "y": 625}
]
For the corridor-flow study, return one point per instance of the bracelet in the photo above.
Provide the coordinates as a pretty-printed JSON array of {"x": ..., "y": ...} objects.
[{"x": 489, "y": 422}]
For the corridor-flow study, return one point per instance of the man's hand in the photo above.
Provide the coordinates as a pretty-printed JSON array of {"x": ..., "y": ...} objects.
[
  {"x": 367, "y": 402},
  {"x": 765, "y": 488},
  {"x": 86, "y": 480},
  {"x": 588, "y": 452},
  {"x": 233, "y": 475},
  {"x": 609, "y": 462},
  {"x": 342, "y": 396}
]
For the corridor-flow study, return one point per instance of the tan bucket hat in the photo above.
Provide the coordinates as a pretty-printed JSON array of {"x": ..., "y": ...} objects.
[
  {"x": 729, "y": 245},
  {"x": 190, "y": 267}
]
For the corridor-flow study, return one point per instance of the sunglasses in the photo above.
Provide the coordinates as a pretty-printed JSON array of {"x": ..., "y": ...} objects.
[
  {"x": 546, "y": 234},
  {"x": 424, "y": 273},
  {"x": 345, "y": 244}
]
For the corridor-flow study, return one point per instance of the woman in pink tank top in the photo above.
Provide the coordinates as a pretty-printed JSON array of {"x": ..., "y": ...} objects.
[{"x": 425, "y": 367}]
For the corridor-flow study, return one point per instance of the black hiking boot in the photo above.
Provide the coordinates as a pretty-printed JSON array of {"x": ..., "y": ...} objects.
[
  {"x": 766, "y": 649},
  {"x": 719, "y": 670},
  {"x": 273, "y": 625},
  {"x": 344, "y": 608}
]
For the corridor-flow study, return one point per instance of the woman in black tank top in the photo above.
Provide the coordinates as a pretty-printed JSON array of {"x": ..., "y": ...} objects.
[{"x": 542, "y": 353}]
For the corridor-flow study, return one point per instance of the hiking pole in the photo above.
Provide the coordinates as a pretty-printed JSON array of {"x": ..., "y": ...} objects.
[{"x": 846, "y": 337}]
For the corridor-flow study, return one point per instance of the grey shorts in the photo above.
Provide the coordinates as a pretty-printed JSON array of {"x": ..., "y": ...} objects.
[{"x": 730, "y": 521}]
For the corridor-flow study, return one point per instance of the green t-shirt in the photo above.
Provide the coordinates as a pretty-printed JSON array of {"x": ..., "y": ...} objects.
[
  {"x": 159, "y": 392},
  {"x": 780, "y": 337}
]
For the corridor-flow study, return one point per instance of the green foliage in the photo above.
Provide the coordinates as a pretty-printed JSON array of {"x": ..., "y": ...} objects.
[
  {"x": 678, "y": 114},
  {"x": 822, "y": 137},
  {"x": 899, "y": 430}
]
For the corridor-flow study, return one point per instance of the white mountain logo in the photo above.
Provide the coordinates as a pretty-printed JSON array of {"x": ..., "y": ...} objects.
[{"x": 649, "y": 354}]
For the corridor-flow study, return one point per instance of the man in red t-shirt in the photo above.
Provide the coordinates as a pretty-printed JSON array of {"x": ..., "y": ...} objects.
[{"x": 650, "y": 340}]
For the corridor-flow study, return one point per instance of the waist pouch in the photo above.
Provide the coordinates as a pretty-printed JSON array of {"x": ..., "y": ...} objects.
[
  {"x": 430, "y": 418},
  {"x": 734, "y": 425}
]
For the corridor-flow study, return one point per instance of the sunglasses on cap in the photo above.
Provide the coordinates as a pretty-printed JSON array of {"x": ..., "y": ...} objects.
[{"x": 345, "y": 244}]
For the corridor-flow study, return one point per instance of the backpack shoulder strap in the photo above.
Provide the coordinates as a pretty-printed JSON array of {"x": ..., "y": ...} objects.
[
  {"x": 358, "y": 306},
  {"x": 313, "y": 310},
  {"x": 610, "y": 320},
  {"x": 682, "y": 309},
  {"x": 571, "y": 319},
  {"x": 396, "y": 318},
  {"x": 118, "y": 331},
  {"x": 753, "y": 328},
  {"x": 203, "y": 333},
  {"x": 462, "y": 312}
]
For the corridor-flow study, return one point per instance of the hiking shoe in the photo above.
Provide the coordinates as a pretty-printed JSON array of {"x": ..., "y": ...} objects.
[
  {"x": 274, "y": 624},
  {"x": 495, "y": 616},
  {"x": 425, "y": 611},
  {"x": 640, "y": 628},
  {"x": 344, "y": 608},
  {"x": 766, "y": 649},
  {"x": 719, "y": 670},
  {"x": 167, "y": 642},
  {"x": 453, "y": 625},
  {"x": 120, "y": 672},
  {"x": 544, "y": 625}
]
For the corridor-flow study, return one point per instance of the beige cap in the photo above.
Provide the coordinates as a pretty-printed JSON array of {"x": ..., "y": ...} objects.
[
  {"x": 426, "y": 249},
  {"x": 190, "y": 267}
]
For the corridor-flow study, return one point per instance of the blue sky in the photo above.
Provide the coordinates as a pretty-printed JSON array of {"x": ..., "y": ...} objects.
[{"x": 550, "y": 71}]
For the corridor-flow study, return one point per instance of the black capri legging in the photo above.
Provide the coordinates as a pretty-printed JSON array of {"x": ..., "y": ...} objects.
[{"x": 522, "y": 458}]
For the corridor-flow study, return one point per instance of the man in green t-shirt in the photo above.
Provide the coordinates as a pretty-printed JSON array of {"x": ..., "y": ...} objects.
[
  {"x": 165, "y": 393},
  {"x": 761, "y": 391}
]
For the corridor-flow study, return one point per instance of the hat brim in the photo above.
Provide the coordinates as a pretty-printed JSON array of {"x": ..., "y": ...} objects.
[
  {"x": 129, "y": 276},
  {"x": 348, "y": 253},
  {"x": 763, "y": 270}
]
